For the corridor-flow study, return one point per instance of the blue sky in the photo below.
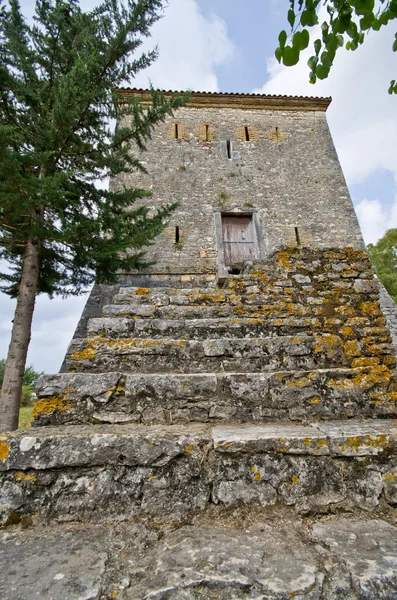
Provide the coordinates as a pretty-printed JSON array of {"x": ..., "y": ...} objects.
[{"x": 228, "y": 46}]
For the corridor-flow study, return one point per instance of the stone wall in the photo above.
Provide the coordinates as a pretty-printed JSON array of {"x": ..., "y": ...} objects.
[
  {"x": 288, "y": 173},
  {"x": 97, "y": 472},
  {"x": 389, "y": 310}
]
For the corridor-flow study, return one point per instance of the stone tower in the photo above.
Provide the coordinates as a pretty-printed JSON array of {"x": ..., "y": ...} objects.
[{"x": 250, "y": 367}]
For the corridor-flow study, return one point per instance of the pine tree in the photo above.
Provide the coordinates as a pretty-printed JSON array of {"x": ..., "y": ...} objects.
[{"x": 58, "y": 99}]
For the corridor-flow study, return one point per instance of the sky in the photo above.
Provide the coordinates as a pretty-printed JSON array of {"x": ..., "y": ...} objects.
[{"x": 228, "y": 46}]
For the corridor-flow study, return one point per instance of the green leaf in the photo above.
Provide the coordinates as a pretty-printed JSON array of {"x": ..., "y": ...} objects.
[
  {"x": 317, "y": 46},
  {"x": 309, "y": 17},
  {"x": 312, "y": 77},
  {"x": 384, "y": 18},
  {"x": 290, "y": 56},
  {"x": 395, "y": 46},
  {"x": 337, "y": 26},
  {"x": 291, "y": 17},
  {"x": 282, "y": 38},
  {"x": 322, "y": 71},
  {"x": 366, "y": 22},
  {"x": 340, "y": 41},
  {"x": 352, "y": 30},
  {"x": 312, "y": 62},
  {"x": 300, "y": 41},
  {"x": 296, "y": 40},
  {"x": 325, "y": 27},
  {"x": 278, "y": 54},
  {"x": 305, "y": 39},
  {"x": 376, "y": 25},
  {"x": 326, "y": 59},
  {"x": 391, "y": 88}
]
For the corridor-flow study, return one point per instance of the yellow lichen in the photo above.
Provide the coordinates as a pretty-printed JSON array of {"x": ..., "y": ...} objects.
[
  {"x": 20, "y": 476},
  {"x": 346, "y": 331},
  {"x": 365, "y": 361},
  {"x": 257, "y": 476},
  {"x": 366, "y": 380},
  {"x": 327, "y": 344},
  {"x": 352, "y": 348},
  {"x": 46, "y": 406},
  {"x": 283, "y": 259},
  {"x": 370, "y": 308},
  {"x": 315, "y": 400},
  {"x": 142, "y": 291},
  {"x": 4, "y": 450},
  {"x": 192, "y": 447},
  {"x": 391, "y": 476},
  {"x": 357, "y": 442},
  {"x": 322, "y": 443},
  {"x": 86, "y": 354}
]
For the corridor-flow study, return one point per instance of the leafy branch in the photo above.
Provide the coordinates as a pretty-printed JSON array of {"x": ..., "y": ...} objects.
[{"x": 347, "y": 24}]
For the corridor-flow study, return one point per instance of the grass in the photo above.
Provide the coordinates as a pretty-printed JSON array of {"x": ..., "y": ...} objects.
[{"x": 25, "y": 417}]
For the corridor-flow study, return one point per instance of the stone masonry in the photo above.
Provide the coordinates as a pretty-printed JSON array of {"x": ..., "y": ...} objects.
[{"x": 208, "y": 413}]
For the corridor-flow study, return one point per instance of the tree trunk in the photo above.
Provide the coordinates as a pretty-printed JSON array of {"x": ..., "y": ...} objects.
[{"x": 20, "y": 338}]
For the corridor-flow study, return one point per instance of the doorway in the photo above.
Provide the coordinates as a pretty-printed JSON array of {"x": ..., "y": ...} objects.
[{"x": 238, "y": 240}]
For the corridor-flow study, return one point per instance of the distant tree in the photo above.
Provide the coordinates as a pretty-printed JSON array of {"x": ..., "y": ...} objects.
[
  {"x": 346, "y": 25},
  {"x": 29, "y": 381},
  {"x": 59, "y": 230},
  {"x": 383, "y": 255}
]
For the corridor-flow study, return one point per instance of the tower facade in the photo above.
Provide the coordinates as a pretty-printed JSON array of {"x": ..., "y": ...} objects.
[
  {"x": 250, "y": 173},
  {"x": 251, "y": 364}
]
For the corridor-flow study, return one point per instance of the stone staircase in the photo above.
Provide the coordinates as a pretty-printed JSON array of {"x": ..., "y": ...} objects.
[
  {"x": 277, "y": 389},
  {"x": 218, "y": 425},
  {"x": 287, "y": 341}
]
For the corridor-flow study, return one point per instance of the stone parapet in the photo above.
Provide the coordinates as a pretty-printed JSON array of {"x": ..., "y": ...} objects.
[
  {"x": 76, "y": 398},
  {"x": 102, "y": 471}
]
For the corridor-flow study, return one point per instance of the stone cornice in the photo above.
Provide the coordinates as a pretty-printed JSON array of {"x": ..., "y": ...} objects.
[{"x": 244, "y": 101}]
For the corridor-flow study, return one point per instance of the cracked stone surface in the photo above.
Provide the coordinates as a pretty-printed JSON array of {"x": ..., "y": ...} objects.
[
  {"x": 52, "y": 564},
  {"x": 368, "y": 550},
  {"x": 219, "y": 556}
]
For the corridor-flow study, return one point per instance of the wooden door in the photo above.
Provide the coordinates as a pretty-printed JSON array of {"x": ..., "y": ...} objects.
[{"x": 238, "y": 239}]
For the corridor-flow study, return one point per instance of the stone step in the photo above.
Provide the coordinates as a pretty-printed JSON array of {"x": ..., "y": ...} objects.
[
  {"x": 93, "y": 472},
  {"x": 227, "y": 327},
  {"x": 201, "y": 297},
  {"x": 73, "y": 398},
  {"x": 140, "y": 355},
  {"x": 212, "y": 311},
  {"x": 341, "y": 557},
  {"x": 160, "y": 296}
]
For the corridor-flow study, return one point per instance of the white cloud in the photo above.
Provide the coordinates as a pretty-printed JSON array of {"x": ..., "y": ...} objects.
[
  {"x": 190, "y": 47},
  {"x": 54, "y": 322},
  {"x": 362, "y": 116},
  {"x": 375, "y": 218}
]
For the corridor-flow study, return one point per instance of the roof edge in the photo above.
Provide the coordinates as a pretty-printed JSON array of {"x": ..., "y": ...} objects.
[{"x": 244, "y": 101}]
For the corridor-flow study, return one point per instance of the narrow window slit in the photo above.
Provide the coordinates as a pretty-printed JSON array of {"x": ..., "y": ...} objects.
[
  {"x": 207, "y": 133},
  {"x": 176, "y": 131},
  {"x": 177, "y": 234},
  {"x": 229, "y": 148},
  {"x": 298, "y": 240},
  {"x": 247, "y": 134}
]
